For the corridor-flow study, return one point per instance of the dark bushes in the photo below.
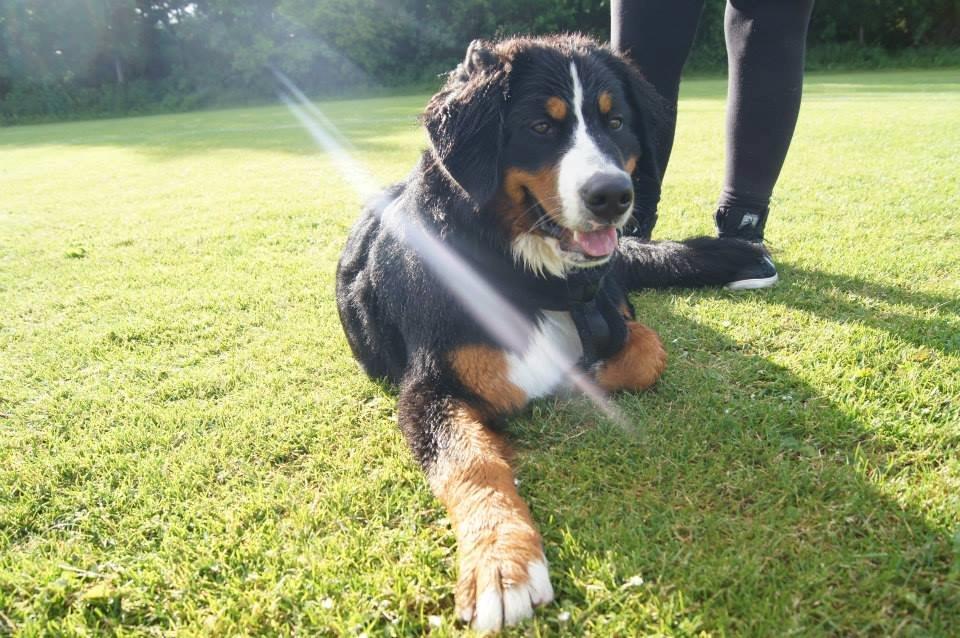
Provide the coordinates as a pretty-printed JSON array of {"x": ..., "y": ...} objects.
[{"x": 74, "y": 58}]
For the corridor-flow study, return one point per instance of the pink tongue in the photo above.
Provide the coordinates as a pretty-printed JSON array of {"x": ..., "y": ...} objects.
[{"x": 598, "y": 243}]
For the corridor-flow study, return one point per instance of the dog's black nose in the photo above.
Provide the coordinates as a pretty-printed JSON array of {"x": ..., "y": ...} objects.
[{"x": 608, "y": 195}]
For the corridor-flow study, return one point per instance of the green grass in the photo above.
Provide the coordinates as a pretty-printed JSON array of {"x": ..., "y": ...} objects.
[{"x": 187, "y": 447}]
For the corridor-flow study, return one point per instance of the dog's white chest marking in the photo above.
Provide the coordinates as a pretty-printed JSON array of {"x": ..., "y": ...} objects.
[{"x": 550, "y": 356}]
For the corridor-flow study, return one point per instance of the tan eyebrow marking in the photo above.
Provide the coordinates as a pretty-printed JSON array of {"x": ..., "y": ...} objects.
[
  {"x": 557, "y": 108},
  {"x": 605, "y": 102}
]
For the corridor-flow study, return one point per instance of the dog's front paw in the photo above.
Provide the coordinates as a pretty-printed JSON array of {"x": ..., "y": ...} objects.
[
  {"x": 503, "y": 576},
  {"x": 639, "y": 363}
]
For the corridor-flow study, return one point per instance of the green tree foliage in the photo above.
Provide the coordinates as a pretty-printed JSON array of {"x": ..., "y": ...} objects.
[
  {"x": 61, "y": 57},
  {"x": 889, "y": 23}
]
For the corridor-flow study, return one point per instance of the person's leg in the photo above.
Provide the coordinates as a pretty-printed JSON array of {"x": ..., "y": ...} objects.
[
  {"x": 657, "y": 35},
  {"x": 765, "y": 51}
]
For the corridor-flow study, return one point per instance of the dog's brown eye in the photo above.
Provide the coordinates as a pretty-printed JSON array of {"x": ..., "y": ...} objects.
[
  {"x": 615, "y": 123},
  {"x": 541, "y": 127}
]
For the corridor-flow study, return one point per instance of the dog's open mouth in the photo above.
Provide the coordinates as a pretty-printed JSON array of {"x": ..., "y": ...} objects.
[{"x": 593, "y": 245}]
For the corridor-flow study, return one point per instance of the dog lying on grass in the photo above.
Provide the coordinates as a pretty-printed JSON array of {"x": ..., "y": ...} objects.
[{"x": 541, "y": 155}]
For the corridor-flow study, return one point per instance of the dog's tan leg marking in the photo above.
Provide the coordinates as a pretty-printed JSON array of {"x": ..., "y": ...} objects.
[
  {"x": 638, "y": 365},
  {"x": 483, "y": 370},
  {"x": 503, "y": 572}
]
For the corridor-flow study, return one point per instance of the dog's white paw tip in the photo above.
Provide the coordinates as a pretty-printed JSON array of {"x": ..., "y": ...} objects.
[
  {"x": 489, "y": 616},
  {"x": 496, "y": 609},
  {"x": 517, "y": 605},
  {"x": 541, "y": 591}
]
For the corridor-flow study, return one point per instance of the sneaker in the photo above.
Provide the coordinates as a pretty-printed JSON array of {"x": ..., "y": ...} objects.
[
  {"x": 762, "y": 274},
  {"x": 741, "y": 223},
  {"x": 746, "y": 224},
  {"x": 641, "y": 223}
]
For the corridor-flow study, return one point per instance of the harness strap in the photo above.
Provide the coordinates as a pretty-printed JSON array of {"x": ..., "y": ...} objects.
[{"x": 601, "y": 328}]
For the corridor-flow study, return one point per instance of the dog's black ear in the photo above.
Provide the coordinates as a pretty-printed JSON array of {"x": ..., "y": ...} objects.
[
  {"x": 480, "y": 56},
  {"x": 465, "y": 121},
  {"x": 651, "y": 115}
]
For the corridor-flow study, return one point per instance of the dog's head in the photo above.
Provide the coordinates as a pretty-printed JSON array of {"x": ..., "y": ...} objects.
[{"x": 553, "y": 138}]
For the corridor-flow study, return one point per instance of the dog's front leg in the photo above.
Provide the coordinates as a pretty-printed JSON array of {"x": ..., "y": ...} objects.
[
  {"x": 503, "y": 572},
  {"x": 639, "y": 363}
]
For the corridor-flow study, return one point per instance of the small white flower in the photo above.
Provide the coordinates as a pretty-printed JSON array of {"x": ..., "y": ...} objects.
[
  {"x": 634, "y": 581},
  {"x": 434, "y": 621},
  {"x": 327, "y": 603},
  {"x": 563, "y": 616}
]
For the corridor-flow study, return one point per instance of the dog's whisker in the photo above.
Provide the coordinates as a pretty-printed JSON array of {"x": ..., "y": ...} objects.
[{"x": 545, "y": 219}]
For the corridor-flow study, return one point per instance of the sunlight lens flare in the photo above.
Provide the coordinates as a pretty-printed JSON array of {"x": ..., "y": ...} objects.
[{"x": 487, "y": 306}]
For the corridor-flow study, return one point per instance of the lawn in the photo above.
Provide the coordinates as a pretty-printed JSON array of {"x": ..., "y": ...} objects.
[{"x": 187, "y": 447}]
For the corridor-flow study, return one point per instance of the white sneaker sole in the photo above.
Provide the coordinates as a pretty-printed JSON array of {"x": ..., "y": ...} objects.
[{"x": 753, "y": 284}]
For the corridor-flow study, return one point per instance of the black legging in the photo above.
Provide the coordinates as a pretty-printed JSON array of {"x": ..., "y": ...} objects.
[{"x": 765, "y": 51}]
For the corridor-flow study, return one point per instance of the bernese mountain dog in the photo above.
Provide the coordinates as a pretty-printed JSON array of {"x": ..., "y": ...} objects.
[{"x": 539, "y": 172}]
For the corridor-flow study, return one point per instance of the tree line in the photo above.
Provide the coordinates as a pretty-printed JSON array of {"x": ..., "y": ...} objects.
[{"x": 65, "y": 57}]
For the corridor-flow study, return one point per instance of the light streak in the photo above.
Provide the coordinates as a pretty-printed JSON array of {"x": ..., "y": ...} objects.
[{"x": 487, "y": 306}]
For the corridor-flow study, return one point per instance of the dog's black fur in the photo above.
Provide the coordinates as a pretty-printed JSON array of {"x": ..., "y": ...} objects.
[{"x": 405, "y": 323}]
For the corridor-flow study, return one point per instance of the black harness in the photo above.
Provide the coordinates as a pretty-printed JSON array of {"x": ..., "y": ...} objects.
[{"x": 600, "y": 326}]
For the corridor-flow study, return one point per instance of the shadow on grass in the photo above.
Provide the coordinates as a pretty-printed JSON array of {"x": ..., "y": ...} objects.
[
  {"x": 270, "y": 128},
  {"x": 845, "y": 299},
  {"x": 889, "y": 81},
  {"x": 833, "y": 83},
  {"x": 746, "y": 500},
  {"x": 749, "y": 502},
  {"x": 365, "y": 121}
]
